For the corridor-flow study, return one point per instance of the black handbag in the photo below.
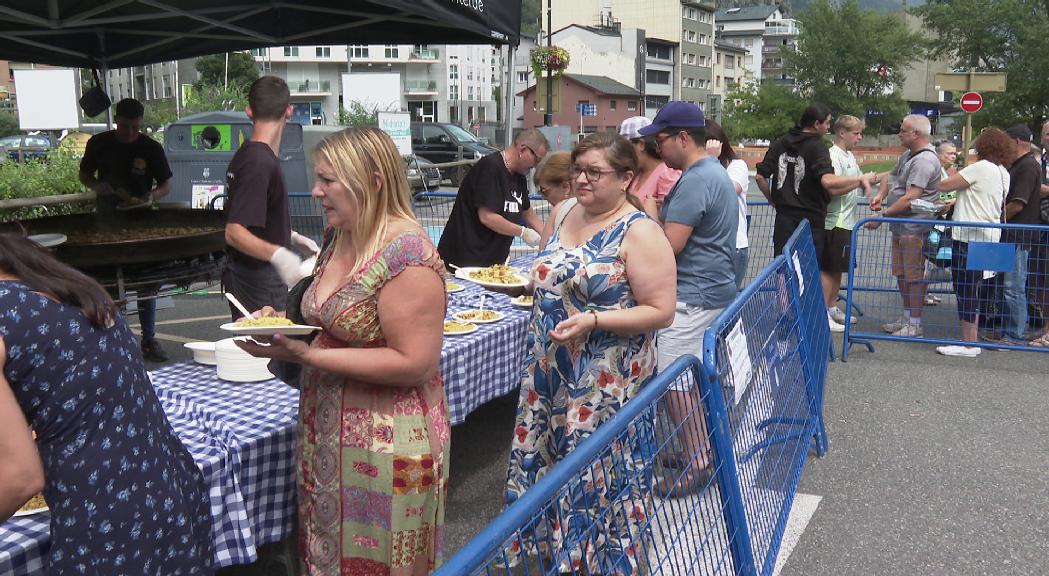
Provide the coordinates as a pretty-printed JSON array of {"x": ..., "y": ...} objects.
[
  {"x": 291, "y": 372},
  {"x": 95, "y": 101}
]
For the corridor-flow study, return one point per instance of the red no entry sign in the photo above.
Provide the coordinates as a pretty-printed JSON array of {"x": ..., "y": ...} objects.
[{"x": 971, "y": 102}]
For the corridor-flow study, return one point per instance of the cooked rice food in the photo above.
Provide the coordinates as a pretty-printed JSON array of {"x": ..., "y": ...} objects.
[
  {"x": 264, "y": 321},
  {"x": 478, "y": 315},
  {"x": 452, "y": 286},
  {"x": 34, "y": 503},
  {"x": 523, "y": 300},
  {"x": 497, "y": 274},
  {"x": 451, "y": 326}
]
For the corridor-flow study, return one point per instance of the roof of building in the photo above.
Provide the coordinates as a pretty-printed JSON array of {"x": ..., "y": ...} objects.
[
  {"x": 602, "y": 84},
  {"x": 722, "y": 45},
  {"x": 744, "y": 13}
]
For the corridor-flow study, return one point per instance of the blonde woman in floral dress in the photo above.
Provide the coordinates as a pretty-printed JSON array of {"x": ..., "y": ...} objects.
[
  {"x": 602, "y": 286},
  {"x": 374, "y": 431}
]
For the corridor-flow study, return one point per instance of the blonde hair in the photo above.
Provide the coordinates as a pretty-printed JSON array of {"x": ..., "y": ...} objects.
[
  {"x": 554, "y": 169},
  {"x": 356, "y": 155},
  {"x": 846, "y": 122}
]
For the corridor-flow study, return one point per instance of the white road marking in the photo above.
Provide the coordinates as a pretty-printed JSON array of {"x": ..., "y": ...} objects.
[{"x": 800, "y": 514}]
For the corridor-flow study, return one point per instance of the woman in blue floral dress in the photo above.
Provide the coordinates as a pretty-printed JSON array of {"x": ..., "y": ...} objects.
[
  {"x": 125, "y": 495},
  {"x": 604, "y": 283}
]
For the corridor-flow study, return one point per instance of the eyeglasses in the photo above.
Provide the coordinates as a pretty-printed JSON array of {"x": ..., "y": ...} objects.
[
  {"x": 663, "y": 138},
  {"x": 592, "y": 174},
  {"x": 529, "y": 148}
]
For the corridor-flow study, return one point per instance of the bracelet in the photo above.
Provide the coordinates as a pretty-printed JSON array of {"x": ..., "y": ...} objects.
[{"x": 594, "y": 314}]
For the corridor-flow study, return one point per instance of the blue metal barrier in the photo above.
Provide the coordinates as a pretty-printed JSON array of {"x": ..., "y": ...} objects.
[
  {"x": 755, "y": 419},
  {"x": 816, "y": 343},
  {"x": 874, "y": 286}
]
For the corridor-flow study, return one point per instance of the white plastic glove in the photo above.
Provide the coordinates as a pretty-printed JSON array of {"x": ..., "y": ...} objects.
[
  {"x": 531, "y": 237},
  {"x": 288, "y": 266},
  {"x": 304, "y": 242}
]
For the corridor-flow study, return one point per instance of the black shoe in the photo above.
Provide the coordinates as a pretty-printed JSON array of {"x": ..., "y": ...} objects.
[{"x": 152, "y": 351}]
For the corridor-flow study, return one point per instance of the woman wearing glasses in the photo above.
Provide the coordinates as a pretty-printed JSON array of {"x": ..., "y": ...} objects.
[{"x": 602, "y": 287}]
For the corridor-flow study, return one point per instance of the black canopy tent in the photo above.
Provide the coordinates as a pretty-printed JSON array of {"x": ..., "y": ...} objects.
[{"x": 120, "y": 33}]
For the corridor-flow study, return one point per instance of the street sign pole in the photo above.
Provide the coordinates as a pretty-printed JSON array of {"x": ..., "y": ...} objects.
[{"x": 969, "y": 82}]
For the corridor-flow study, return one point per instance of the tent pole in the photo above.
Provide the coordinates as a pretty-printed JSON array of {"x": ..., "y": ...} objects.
[{"x": 508, "y": 97}]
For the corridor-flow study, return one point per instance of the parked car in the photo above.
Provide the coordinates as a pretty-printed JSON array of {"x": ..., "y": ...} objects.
[
  {"x": 440, "y": 142},
  {"x": 21, "y": 147},
  {"x": 422, "y": 174}
]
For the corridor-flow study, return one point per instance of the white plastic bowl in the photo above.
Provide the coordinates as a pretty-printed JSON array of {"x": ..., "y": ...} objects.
[
  {"x": 236, "y": 365},
  {"x": 203, "y": 352}
]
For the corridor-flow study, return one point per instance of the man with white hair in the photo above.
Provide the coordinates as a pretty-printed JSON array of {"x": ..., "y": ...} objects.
[{"x": 915, "y": 176}]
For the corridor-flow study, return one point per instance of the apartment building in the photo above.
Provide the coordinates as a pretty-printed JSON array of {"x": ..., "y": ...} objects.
[
  {"x": 763, "y": 31},
  {"x": 679, "y": 35},
  {"x": 157, "y": 81},
  {"x": 728, "y": 71}
]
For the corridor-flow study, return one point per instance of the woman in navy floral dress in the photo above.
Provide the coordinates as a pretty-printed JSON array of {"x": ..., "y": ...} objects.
[
  {"x": 125, "y": 495},
  {"x": 603, "y": 285}
]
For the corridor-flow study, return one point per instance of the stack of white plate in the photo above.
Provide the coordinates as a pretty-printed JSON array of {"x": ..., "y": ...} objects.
[{"x": 236, "y": 365}]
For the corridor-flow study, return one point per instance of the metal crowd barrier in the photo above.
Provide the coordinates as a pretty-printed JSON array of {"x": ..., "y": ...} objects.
[
  {"x": 625, "y": 502},
  {"x": 978, "y": 277}
]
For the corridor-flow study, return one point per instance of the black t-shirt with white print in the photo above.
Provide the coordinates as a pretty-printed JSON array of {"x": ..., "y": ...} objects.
[{"x": 489, "y": 184}]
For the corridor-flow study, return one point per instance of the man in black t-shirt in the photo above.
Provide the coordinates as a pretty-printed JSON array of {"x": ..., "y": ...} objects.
[
  {"x": 258, "y": 228},
  {"x": 492, "y": 206},
  {"x": 127, "y": 169},
  {"x": 1021, "y": 207}
]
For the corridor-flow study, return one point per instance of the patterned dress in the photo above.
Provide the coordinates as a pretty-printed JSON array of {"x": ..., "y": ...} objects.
[
  {"x": 568, "y": 391},
  {"x": 372, "y": 459},
  {"x": 125, "y": 495}
]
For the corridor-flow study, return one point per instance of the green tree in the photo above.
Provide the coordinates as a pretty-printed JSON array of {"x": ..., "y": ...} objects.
[
  {"x": 358, "y": 115},
  {"x": 215, "y": 98},
  {"x": 997, "y": 36},
  {"x": 763, "y": 111},
  {"x": 852, "y": 60},
  {"x": 158, "y": 113},
  {"x": 531, "y": 10},
  {"x": 8, "y": 124},
  {"x": 242, "y": 70}
]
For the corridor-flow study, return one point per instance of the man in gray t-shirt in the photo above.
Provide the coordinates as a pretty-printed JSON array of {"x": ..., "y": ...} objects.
[{"x": 915, "y": 176}]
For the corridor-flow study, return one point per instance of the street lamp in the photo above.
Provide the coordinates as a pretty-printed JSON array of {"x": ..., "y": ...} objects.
[{"x": 548, "y": 118}]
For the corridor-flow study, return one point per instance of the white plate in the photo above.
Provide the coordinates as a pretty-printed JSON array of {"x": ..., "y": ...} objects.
[
  {"x": 203, "y": 352},
  {"x": 470, "y": 331},
  {"x": 521, "y": 303},
  {"x": 464, "y": 274},
  {"x": 459, "y": 316},
  {"x": 452, "y": 287},
  {"x": 30, "y": 512},
  {"x": 48, "y": 240},
  {"x": 293, "y": 330}
]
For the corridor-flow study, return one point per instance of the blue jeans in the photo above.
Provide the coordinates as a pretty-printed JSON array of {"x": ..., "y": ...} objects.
[
  {"x": 1014, "y": 292},
  {"x": 147, "y": 318},
  {"x": 739, "y": 265}
]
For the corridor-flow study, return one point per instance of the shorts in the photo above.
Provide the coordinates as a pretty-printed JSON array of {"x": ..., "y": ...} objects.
[
  {"x": 684, "y": 336},
  {"x": 784, "y": 228},
  {"x": 907, "y": 260},
  {"x": 837, "y": 245}
]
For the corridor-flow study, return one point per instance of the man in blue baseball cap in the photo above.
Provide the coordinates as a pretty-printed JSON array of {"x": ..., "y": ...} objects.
[{"x": 699, "y": 216}]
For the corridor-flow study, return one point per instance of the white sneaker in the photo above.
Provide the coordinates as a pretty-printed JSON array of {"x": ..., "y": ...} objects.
[
  {"x": 895, "y": 325},
  {"x": 932, "y": 300},
  {"x": 962, "y": 351},
  {"x": 839, "y": 316},
  {"x": 909, "y": 330},
  {"x": 835, "y": 327}
]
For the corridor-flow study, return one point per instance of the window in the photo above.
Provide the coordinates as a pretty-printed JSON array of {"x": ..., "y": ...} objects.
[
  {"x": 470, "y": 92},
  {"x": 657, "y": 76},
  {"x": 470, "y": 113},
  {"x": 690, "y": 35},
  {"x": 260, "y": 52},
  {"x": 688, "y": 83},
  {"x": 392, "y": 51},
  {"x": 323, "y": 51},
  {"x": 730, "y": 62},
  {"x": 453, "y": 71},
  {"x": 719, "y": 57},
  {"x": 291, "y": 50},
  {"x": 453, "y": 92},
  {"x": 659, "y": 51},
  {"x": 612, "y": 105},
  {"x": 522, "y": 77},
  {"x": 690, "y": 58},
  {"x": 703, "y": 39},
  {"x": 359, "y": 51},
  {"x": 631, "y": 105},
  {"x": 469, "y": 73},
  {"x": 534, "y": 107},
  {"x": 166, "y": 83},
  {"x": 717, "y": 81}
]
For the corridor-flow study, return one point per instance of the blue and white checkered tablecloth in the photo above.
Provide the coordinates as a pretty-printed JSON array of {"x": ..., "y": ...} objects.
[
  {"x": 242, "y": 436},
  {"x": 488, "y": 363}
]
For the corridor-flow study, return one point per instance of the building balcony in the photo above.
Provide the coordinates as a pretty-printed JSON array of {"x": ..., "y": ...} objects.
[
  {"x": 770, "y": 49},
  {"x": 790, "y": 29},
  {"x": 310, "y": 87},
  {"x": 424, "y": 54},
  {"x": 420, "y": 87}
]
